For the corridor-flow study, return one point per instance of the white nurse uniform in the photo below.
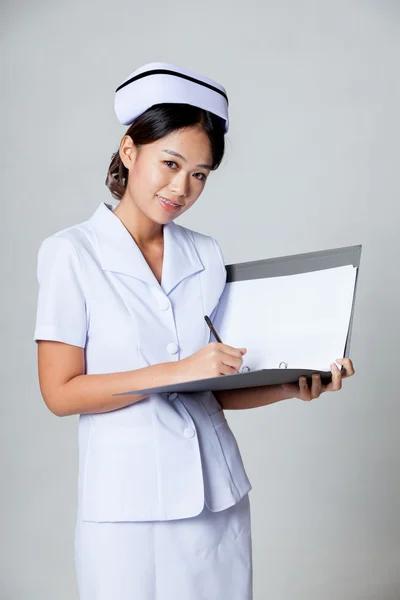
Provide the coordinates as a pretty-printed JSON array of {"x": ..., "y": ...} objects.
[{"x": 163, "y": 509}]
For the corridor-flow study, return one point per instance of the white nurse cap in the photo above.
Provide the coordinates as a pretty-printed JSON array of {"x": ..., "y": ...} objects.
[{"x": 159, "y": 83}]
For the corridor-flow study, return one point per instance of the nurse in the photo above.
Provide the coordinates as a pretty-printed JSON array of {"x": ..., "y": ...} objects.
[{"x": 163, "y": 506}]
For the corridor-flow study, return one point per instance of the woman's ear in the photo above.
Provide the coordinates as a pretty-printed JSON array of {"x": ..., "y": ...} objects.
[{"x": 128, "y": 152}]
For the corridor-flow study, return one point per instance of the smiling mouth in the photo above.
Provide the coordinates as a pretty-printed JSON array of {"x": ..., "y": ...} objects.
[{"x": 173, "y": 204}]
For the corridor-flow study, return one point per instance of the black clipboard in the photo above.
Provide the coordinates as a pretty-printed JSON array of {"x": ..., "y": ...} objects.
[{"x": 273, "y": 267}]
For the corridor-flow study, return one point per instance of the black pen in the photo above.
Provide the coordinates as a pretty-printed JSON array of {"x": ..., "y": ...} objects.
[{"x": 212, "y": 329}]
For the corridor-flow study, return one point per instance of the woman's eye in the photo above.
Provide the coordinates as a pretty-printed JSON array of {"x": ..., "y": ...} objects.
[
  {"x": 173, "y": 165},
  {"x": 169, "y": 163}
]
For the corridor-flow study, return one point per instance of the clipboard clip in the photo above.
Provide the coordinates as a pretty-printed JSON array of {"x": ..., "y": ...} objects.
[{"x": 283, "y": 365}]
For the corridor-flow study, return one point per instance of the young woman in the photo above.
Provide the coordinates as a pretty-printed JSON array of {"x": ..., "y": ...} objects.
[{"x": 163, "y": 508}]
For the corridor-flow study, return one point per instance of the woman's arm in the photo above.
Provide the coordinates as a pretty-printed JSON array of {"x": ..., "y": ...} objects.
[
  {"x": 68, "y": 390},
  {"x": 251, "y": 397},
  {"x": 260, "y": 396}
]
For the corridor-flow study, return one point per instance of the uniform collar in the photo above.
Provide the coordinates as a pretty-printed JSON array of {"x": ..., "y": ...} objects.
[{"x": 119, "y": 253}]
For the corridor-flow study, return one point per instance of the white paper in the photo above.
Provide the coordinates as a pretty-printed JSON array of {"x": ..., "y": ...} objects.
[{"x": 300, "y": 320}]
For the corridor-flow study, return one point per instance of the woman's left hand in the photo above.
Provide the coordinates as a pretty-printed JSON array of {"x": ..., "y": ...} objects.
[{"x": 303, "y": 392}]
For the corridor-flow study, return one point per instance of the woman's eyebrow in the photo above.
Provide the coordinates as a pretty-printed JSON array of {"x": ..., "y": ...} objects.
[{"x": 184, "y": 159}]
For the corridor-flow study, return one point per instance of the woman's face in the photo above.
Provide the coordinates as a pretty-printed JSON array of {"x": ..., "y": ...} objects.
[{"x": 167, "y": 176}]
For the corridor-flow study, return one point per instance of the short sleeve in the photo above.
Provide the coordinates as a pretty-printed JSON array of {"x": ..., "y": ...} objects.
[
  {"x": 220, "y": 258},
  {"x": 61, "y": 305}
]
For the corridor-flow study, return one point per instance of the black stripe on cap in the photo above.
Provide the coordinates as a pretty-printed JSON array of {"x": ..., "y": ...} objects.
[{"x": 175, "y": 74}]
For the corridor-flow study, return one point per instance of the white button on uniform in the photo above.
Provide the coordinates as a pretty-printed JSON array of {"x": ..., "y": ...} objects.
[
  {"x": 162, "y": 300},
  {"x": 173, "y": 396},
  {"x": 163, "y": 304},
  {"x": 172, "y": 348},
  {"x": 189, "y": 432}
]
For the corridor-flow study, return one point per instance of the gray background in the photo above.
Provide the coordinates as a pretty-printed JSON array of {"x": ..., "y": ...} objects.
[{"x": 310, "y": 165}]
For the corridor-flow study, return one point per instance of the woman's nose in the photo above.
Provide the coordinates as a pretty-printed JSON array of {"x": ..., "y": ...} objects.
[{"x": 180, "y": 185}]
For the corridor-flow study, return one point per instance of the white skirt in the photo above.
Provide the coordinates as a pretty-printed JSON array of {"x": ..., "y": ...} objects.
[{"x": 208, "y": 557}]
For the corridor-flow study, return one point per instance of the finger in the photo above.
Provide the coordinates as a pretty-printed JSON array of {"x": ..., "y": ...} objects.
[
  {"x": 218, "y": 348},
  {"x": 348, "y": 368},
  {"x": 336, "y": 383},
  {"x": 232, "y": 361},
  {"x": 304, "y": 391},
  {"x": 316, "y": 386},
  {"x": 230, "y": 350},
  {"x": 226, "y": 370}
]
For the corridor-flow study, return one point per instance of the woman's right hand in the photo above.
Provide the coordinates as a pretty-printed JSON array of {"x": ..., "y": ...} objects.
[{"x": 211, "y": 361}]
